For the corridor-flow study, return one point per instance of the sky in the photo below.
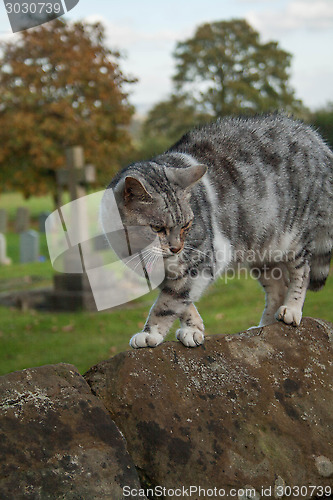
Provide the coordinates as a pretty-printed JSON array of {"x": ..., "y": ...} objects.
[{"x": 146, "y": 32}]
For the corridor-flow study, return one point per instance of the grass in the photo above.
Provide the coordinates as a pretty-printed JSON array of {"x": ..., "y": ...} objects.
[
  {"x": 36, "y": 205},
  {"x": 32, "y": 338}
]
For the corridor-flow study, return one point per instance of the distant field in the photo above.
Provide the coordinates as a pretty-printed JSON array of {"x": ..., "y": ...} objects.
[{"x": 36, "y": 205}]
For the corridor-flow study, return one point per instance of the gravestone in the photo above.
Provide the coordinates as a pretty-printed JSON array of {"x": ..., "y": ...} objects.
[
  {"x": 41, "y": 221},
  {"x": 22, "y": 220},
  {"x": 3, "y": 221},
  {"x": 72, "y": 289},
  {"x": 29, "y": 246},
  {"x": 4, "y": 260}
]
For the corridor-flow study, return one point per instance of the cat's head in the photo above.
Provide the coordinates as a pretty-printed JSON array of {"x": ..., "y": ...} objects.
[{"x": 156, "y": 198}]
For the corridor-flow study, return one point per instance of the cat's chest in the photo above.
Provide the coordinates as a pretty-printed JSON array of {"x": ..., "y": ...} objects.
[{"x": 174, "y": 267}]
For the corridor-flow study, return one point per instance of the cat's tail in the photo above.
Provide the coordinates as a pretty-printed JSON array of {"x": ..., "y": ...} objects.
[{"x": 319, "y": 269}]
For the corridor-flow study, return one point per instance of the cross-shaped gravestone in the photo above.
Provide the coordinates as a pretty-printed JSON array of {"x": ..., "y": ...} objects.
[{"x": 76, "y": 176}]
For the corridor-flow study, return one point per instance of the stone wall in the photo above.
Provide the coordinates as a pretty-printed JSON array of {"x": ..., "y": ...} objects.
[{"x": 249, "y": 414}]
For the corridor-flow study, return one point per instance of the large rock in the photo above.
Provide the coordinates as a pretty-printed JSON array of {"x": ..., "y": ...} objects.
[
  {"x": 57, "y": 441},
  {"x": 247, "y": 410}
]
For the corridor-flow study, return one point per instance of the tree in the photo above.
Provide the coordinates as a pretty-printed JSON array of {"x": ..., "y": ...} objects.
[
  {"x": 323, "y": 121},
  {"x": 167, "y": 121},
  {"x": 226, "y": 69},
  {"x": 60, "y": 86}
]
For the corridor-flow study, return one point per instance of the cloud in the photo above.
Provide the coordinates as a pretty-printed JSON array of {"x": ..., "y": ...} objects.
[
  {"x": 127, "y": 37},
  {"x": 257, "y": 1},
  {"x": 148, "y": 57},
  {"x": 315, "y": 87},
  {"x": 297, "y": 14}
]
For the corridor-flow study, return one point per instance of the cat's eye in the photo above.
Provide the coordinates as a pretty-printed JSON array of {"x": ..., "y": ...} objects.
[{"x": 158, "y": 229}]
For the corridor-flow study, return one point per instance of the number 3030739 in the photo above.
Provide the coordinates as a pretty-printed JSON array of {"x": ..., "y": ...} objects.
[
  {"x": 33, "y": 8},
  {"x": 303, "y": 491}
]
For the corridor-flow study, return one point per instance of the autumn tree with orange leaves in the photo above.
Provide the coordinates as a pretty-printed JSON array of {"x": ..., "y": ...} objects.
[{"x": 60, "y": 86}]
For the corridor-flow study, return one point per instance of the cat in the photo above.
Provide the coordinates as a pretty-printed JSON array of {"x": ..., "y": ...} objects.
[{"x": 257, "y": 190}]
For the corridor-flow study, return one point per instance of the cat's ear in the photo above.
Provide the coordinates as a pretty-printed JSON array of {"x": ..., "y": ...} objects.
[
  {"x": 135, "y": 190},
  {"x": 186, "y": 177}
]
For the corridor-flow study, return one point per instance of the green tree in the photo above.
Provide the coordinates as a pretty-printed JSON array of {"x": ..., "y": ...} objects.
[
  {"x": 322, "y": 119},
  {"x": 167, "y": 121},
  {"x": 60, "y": 86},
  {"x": 223, "y": 69},
  {"x": 227, "y": 69}
]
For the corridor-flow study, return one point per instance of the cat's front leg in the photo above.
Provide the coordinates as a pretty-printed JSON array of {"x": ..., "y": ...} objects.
[
  {"x": 161, "y": 317},
  {"x": 191, "y": 332},
  {"x": 150, "y": 337}
]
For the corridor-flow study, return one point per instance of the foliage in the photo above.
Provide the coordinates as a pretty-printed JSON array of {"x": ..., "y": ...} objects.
[
  {"x": 224, "y": 69},
  {"x": 322, "y": 119},
  {"x": 60, "y": 86},
  {"x": 230, "y": 71},
  {"x": 170, "y": 119}
]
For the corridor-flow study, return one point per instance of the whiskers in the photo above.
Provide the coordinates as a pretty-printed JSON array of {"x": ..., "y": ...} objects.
[
  {"x": 148, "y": 257},
  {"x": 151, "y": 261}
]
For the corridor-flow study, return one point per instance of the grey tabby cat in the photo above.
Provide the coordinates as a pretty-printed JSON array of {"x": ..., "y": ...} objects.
[{"x": 255, "y": 190}]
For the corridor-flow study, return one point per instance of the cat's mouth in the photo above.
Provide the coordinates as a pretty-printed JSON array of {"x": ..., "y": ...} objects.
[
  {"x": 166, "y": 252},
  {"x": 169, "y": 253}
]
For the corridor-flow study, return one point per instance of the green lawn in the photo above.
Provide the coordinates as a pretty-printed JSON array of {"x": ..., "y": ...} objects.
[
  {"x": 36, "y": 205},
  {"x": 31, "y": 339}
]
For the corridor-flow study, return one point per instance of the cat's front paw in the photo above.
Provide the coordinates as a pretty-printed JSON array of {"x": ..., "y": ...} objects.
[
  {"x": 190, "y": 337},
  {"x": 289, "y": 315},
  {"x": 145, "y": 339}
]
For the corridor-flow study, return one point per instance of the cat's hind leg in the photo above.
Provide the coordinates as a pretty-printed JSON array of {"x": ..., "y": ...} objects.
[
  {"x": 274, "y": 281},
  {"x": 290, "y": 312}
]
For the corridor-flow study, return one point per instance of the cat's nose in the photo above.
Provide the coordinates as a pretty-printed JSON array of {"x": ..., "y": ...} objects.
[{"x": 176, "y": 249}]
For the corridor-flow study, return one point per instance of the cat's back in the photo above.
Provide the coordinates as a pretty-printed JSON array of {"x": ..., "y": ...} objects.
[
  {"x": 266, "y": 142},
  {"x": 266, "y": 175}
]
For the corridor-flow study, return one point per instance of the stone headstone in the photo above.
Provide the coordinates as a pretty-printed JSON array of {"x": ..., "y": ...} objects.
[
  {"x": 72, "y": 289},
  {"x": 4, "y": 260},
  {"x": 41, "y": 221},
  {"x": 29, "y": 246},
  {"x": 22, "y": 220},
  {"x": 3, "y": 221}
]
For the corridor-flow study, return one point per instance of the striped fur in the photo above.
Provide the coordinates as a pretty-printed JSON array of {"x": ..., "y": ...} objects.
[{"x": 265, "y": 201}]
